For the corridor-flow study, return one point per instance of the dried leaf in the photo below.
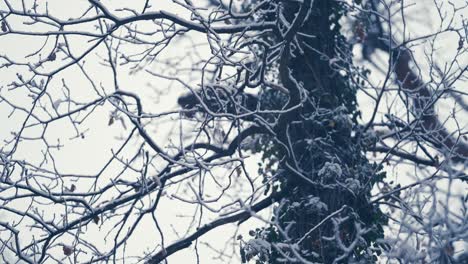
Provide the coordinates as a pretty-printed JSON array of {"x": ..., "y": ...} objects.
[
  {"x": 4, "y": 27},
  {"x": 239, "y": 171},
  {"x": 57, "y": 103},
  {"x": 96, "y": 219},
  {"x": 111, "y": 121},
  {"x": 67, "y": 251},
  {"x": 72, "y": 188},
  {"x": 460, "y": 44},
  {"x": 157, "y": 180},
  {"x": 360, "y": 31},
  {"x": 52, "y": 57}
]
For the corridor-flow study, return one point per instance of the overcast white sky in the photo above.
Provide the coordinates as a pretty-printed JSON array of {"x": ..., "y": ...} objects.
[{"x": 88, "y": 155}]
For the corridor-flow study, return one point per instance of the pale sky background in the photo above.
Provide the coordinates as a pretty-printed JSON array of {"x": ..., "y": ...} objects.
[
  {"x": 88, "y": 155},
  {"x": 158, "y": 95}
]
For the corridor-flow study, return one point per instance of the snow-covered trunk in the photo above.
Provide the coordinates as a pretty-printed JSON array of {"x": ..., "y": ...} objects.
[{"x": 326, "y": 217}]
